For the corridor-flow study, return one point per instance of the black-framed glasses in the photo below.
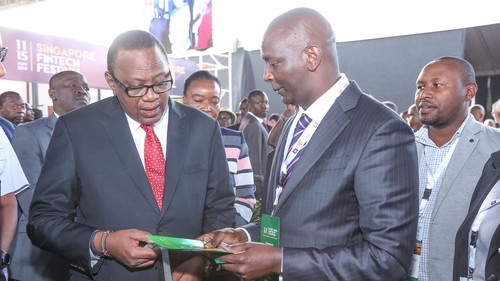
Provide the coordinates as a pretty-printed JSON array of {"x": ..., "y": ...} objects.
[
  {"x": 3, "y": 53},
  {"x": 159, "y": 88}
]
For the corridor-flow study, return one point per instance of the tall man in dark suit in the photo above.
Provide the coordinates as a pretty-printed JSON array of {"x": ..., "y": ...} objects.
[
  {"x": 482, "y": 224},
  {"x": 104, "y": 185},
  {"x": 344, "y": 198},
  {"x": 68, "y": 91},
  {"x": 256, "y": 133}
]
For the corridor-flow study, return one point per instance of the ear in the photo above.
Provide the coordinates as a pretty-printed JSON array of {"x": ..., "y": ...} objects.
[
  {"x": 471, "y": 91},
  {"x": 110, "y": 81},
  {"x": 52, "y": 94},
  {"x": 313, "y": 54},
  {"x": 184, "y": 99}
]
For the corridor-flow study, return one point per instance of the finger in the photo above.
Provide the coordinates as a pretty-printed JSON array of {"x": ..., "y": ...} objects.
[
  {"x": 234, "y": 249},
  {"x": 214, "y": 241}
]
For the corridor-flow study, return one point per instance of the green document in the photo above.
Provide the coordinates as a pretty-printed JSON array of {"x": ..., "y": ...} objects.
[{"x": 182, "y": 244}]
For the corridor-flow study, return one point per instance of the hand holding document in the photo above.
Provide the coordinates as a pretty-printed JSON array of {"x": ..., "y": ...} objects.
[{"x": 183, "y": 244}]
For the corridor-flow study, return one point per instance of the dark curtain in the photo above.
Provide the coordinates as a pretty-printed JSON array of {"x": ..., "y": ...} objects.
[{"x": 243, "y": 80}]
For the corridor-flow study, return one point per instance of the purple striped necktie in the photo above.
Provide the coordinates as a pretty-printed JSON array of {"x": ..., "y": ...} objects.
[{"x": 301, "y": 126}]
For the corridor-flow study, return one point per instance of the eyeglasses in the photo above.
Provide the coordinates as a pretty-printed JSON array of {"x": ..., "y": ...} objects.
[
  {"x": 224, "y": 117},
  {"x": 3, "y": 53},
  {"x": 140, "y": 91}
]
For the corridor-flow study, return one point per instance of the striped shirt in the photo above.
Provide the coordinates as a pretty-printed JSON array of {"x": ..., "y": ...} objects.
[
  {"x": 241, "y": 174},
  {"x": 432, "y": 158}
]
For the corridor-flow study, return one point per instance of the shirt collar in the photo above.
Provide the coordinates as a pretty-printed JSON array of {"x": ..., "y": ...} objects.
[
  {"x": 422, "y": 135},
  {"x": 318, "y": 109}
]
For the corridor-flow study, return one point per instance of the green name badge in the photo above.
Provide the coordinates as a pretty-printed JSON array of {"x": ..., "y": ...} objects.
[{"x": 270, "y": 230}]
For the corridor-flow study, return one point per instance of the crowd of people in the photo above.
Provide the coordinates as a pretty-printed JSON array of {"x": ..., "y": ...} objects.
[{"x": 336, "y": 187}]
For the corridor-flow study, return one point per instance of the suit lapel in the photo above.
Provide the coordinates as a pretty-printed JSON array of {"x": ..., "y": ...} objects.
[
  {"x": 119, "y": 134},
  {"x": 51, "y": 124},
  {"x": 325, "y": 135},
  {"x": 490, "y": 177},
  {"x": 177, "y": 136},
  {"x": 465, "y": 147},
  {"x": 276, "y": 165}
]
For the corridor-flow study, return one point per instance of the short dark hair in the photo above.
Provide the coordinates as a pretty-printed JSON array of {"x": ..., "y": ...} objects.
[
  {"x": 275, "y": 117},
  {"x": 254, "y": 93},
  {"x": 132, "y": 40},
  {"x": 200, "y": 75},
  {"x": 4, "y": 96},
  {"x": 467, "y": 70}
]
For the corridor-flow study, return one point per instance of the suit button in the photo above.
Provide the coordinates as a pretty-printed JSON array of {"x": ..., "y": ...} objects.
[{"x": 160, "y": 228}]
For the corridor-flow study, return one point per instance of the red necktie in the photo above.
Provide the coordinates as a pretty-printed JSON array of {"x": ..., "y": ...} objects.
[{"x": 154, "y": 163}]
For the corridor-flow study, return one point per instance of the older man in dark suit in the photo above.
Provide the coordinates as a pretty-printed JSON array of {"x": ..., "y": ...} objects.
[
  {"x": 129, "y": 166},
  {"x": 343, "y": 186},
  {"x": 68, "y": 91}
]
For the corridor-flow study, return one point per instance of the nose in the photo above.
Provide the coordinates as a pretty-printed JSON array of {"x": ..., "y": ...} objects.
[
  {"x": 205, "y": 107},
  {"x": 81, "y": 91},
  {"x": 267, "y": 76},
  {"x": 150, "y": 94},
  {"x": 424, "y": 93}
]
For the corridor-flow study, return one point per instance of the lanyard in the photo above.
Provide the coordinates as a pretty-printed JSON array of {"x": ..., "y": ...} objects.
[
  {"x": 301, "y": 143},
  {"x": 432, "y": 178}
]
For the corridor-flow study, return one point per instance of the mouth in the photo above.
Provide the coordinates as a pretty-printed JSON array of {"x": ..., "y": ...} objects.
[
  {"x": 86, "y": 101},
  {"x": 150, "y": 112},
  {"x": 425, "y": 108},
  {"x": 278, "y": 90}
]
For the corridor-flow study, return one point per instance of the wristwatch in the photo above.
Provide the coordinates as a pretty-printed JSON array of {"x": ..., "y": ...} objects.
[{"x": 4, "y": 259}]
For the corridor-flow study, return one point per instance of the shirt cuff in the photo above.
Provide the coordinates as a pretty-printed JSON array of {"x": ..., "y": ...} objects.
[{"x": 249, "y": 239}]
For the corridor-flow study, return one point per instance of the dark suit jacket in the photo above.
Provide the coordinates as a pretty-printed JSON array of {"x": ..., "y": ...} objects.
[
  {"x": 30, "y": 141},
  {"x": 489, "y": 177},
  {"x": 7, "y": 127},
  {"x": 349, "y": 209},
  {"x": 235, "y": 127},
  {"x": 93, "y": 178},
  {"x": 258, "y": 150}
]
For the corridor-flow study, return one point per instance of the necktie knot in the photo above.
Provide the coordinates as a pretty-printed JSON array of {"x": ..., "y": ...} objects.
[
  {"x": 148, "y": 128},
  {"x": 304, "y": 121}
]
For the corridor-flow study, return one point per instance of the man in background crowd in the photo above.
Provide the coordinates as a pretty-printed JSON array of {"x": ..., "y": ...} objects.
[
  {"x": 256, "y": 133},
  {"x": 478, "y": 112},
  {"x": 495, "y": 113},
  {"x": 453, "y": 148},
  {"x": 243, "y": 112},
  {"x": 30, "y": 113},
  {"x": 12, "y": 110},
  {"x": 413, "y": 119}
]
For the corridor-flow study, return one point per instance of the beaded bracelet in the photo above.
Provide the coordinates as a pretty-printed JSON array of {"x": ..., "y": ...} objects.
[{"x": 104, "y": 237}]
